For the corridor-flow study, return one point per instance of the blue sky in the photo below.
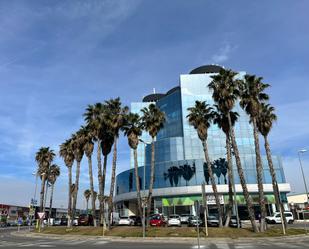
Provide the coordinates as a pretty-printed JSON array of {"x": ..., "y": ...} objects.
[{"x": 58, "y": 56}]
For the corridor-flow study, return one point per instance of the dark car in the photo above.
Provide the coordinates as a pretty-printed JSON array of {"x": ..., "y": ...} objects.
[
  {"x": 64, "y": 221},
  {"x": 233, "y": 221},
  {"x": 85, "y": 220},
  {"x": 137, "y": 220},
  {"x": 194, "y": 221}
]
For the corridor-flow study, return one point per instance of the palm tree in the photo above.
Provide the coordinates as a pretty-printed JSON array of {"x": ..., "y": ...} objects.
[
  {"x": 54, "y": 173},
  {"x": 95, "y": 122},
  {"x": 133, "y": 130},
  {"x": 88, "y": 148},
  {"x": 78, "y": 143},
  {"x": 200, "y": 117},
  {"x": 252, "y": 94},
  {"x": 114, "y": 118},
  {"x": 225, "y": 93},
  {"x": 43, "y": 157},
  {"x": 87, "y": 195},
  {"x": 153, "y": 121},
  {"x": 265, "y": 121},
  {"x": 187, "y": 172},
  {"x": 66, "y": 152},
  {"x": 223, "y": 123}
]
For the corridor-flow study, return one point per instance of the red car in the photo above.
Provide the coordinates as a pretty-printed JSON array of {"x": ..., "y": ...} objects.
[{"x": 157, "y": 220}]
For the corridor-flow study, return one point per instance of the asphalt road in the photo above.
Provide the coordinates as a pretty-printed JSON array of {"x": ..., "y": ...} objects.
[{"x": 7, "y": 240}]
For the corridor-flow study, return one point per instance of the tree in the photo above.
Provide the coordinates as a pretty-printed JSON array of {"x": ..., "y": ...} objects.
[
  {"x": 88, "y": 148},
  {"x": 94, "y": 117},
  {"x": 187, "y": 172},
  {"x": 200, "y": 117},
  {"x": 44, "y": 156},
  {"x": 114, "y": 118},
  {"x": 251, "y": 96},
  {"x": 78, "y": 143},
  {"x": 66, "y": 152},
  {"x": 133, "y": 130},
  {"x": 225, "y": 93},
  {"x": 87, "y": 195},
  {"x": 54, "y": 173},
  {"x": 265, "y": 121},
  {"x": 153, "y": 120}
]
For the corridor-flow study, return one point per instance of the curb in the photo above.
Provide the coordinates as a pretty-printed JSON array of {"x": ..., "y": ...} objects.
[{"x": 169, "y": 240}]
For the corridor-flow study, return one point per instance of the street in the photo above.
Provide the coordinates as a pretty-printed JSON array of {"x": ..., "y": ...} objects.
[{"x": 9, "y": 240}]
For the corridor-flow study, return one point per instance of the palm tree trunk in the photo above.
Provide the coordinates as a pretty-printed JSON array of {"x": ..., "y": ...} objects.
[
  {"x": 51, "y": 202},
  {"x": 279, "y": 204},
  {"x": 213, "y": 182},
  {"x": 101, "y": 191},
  {"x": 138, "y": 189},
  {"x": 75, "y": 194},
  {"x": 113, "y": 178},
  {"x": 70, "y": 197},
  {"x": 92, "y": 192},
  {"x": 259, "y": 175},
  {"x": 242, "y": 178},
  {"x": 152, "y": 172},
  {"x": 42, "y": 192},
  {"x": 230, "y": 182}
]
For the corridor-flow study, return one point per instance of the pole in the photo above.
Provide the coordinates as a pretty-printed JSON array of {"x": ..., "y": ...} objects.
[
  {"x": 205, "y": 208},
  {"x": 144, "y": 194},
  {"x": 197, "y": 206},
  {"x": 303, "y": 175}
]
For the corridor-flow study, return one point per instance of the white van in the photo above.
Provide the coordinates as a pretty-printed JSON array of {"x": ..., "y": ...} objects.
[{"x": 276, "y": 218}]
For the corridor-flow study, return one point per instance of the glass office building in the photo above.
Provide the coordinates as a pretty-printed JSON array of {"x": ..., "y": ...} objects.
[{"x": 179, "y": 158}]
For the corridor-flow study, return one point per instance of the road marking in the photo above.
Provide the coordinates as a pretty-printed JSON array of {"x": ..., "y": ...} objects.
[
  {"x": 47, "y": 246},
  {"x": 101, "y": 242}
]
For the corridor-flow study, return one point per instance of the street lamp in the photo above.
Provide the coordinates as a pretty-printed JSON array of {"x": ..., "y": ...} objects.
[
  {"x": 302, "y": 172},
  {"x": 144, "y": 200}
]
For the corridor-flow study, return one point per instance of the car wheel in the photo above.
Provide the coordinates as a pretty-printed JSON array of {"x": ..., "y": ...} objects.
[{"x": 290, "y": 222}]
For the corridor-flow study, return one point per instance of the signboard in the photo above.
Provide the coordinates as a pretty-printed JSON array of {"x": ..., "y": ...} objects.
[
  {"x": 41, "y": 215},
  {"x": 189, "y": 200}
]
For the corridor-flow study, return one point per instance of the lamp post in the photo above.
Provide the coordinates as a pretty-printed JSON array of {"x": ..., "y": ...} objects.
[
  {"x": 302, "y": 172},
  {"x": 144, "y": 199}
]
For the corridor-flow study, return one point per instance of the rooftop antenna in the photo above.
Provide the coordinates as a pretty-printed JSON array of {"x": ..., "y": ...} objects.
[{"x": 154, "y": 90}]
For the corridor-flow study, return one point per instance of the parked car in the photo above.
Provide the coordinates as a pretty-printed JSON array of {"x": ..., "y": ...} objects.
[
  {"x": 57, "y": 222},
  {"x": 63, "y": 221},
  {"x": 185, "y": 217},
  {"x": 174, "y": 220},
  {"x": 85, "y": 220},
  {"x": 212, "y": 221},
  {"x": 194, "y": 221},
  {"x": 137, "y": 221},
  {"x": 157, "y": 220},
  {"x": 233, "y": 221},
  {"x": 276, "y": 218},
  {"x": 125, "y": 220}
]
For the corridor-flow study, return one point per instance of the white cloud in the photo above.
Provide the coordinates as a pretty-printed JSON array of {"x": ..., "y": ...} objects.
[{"x": 223, "y": 54}]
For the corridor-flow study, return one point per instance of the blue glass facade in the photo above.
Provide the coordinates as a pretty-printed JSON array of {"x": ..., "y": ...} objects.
[{"x": 179, "y": 155}]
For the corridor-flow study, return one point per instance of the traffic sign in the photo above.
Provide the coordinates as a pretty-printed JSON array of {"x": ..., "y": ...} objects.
[{"x": 41, "y": 215}]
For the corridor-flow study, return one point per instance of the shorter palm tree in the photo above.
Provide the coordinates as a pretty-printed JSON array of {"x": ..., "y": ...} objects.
[
  {"x": 200, "y": 117},
  {"x": 54, "y": 173},
  {"x": 87, "y": 194}
]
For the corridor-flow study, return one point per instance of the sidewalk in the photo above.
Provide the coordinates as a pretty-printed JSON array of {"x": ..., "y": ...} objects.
[{"x": 173, "y": 240}]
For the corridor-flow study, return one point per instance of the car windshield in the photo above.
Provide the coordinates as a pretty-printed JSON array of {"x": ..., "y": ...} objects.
[
  {"x": 124, "y": 217},
  {"x": 157, "y": 217},
  {"x": 174, "y": 217},
  {"x": 185, "y": 215},
  {"x": 211, "y": 217}
]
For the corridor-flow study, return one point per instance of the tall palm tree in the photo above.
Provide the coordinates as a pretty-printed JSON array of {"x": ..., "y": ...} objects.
[
  {"x": 251, "y": 95},
  {"x": 78, "y": 143},
  {"x": 54, "y": 173},
  {"x": 225, "y": 92},
  {"x": 95, "y": 122},
  {"x": 66, "y": 152},
  {"x": 44, "y": 156},
  {"x": 265, "y": 121},
  {"x": 200, "y": 117},
  {"x": 114, "y": 118},
  {"x": 87, "y": 195},
  {"x": 133, "y": 130},
  {"x": 88, "y": 148},
  {"x": 222, "y": 121},
  {"x": 153, "y": 120}
]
